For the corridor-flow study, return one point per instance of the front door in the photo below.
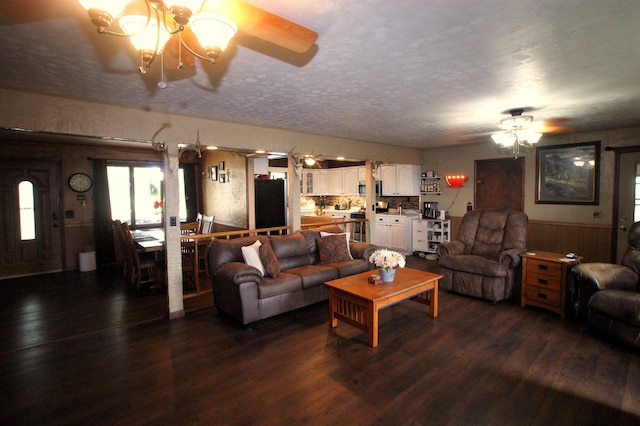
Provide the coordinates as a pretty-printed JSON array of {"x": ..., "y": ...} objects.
[
  {"x": 628, "y": 175},
  {"x": 30, "y": 232}
]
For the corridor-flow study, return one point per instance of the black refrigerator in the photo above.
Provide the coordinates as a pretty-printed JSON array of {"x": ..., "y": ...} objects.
[{"x": 271, "y": 204}]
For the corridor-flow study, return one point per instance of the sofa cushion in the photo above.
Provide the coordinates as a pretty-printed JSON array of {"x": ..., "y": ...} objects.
[
  {"x": 346, "y": 239},
  {"x": 619, "y": 304},
  {"x": 285, "y": 283},
  {"x": 474, "y": 265},
  {"x": 269, "y": 260},
  {"x": 313, "y": 275},
  {"x": 311, "y": 236},
  {"x": 291, "y": 250},
  {"x": 351, "y": 267},
  {"x": 251, "y": 256},
  {"x": 333, "y": 248},
  {"x": 224, "y": 251}
]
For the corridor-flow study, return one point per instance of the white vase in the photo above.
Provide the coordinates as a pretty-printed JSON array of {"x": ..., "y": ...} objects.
[{"x": 387, "y": 276}]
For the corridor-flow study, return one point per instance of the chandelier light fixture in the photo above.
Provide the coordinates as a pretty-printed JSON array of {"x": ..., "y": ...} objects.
[
  {"x": 519, "y": 130},
  {"x": 149, "y": 24}
]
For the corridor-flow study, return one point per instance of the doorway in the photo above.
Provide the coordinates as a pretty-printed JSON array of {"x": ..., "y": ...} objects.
[
  {"x": 499, "y": 183},
  {"x": 30, "y": 230},
  {"x": 628, "y": 199}
]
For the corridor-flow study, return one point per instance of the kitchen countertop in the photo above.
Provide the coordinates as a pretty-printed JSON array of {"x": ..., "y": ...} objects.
[
  {"x": 407, "y": 213},
  {"x": 329, "y": 212}
]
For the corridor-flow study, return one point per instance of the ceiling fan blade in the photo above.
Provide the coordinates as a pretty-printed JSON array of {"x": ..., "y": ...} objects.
[
  {"x": 22, "y": 11},
  {"x": 259, "y": 23},
  {"x": 556, "y": 125}
]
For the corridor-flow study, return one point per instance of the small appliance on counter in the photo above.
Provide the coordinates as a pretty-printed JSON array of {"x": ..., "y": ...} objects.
[
  {"x": 430, "y": 210},
  {"x": 382, "y": 207}
]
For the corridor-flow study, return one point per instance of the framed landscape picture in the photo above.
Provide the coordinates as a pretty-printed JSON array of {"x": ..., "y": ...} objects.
[{"x": 568, "y": 174}]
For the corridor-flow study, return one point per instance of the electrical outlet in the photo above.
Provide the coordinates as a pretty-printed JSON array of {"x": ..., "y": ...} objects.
[{"x": 596, "y": 213}]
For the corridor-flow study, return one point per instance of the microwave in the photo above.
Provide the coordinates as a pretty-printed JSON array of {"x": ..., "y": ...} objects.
[{"x": 362, "y": 189}]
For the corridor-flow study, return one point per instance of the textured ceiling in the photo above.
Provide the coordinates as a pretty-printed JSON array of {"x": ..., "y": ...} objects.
[{"x": 416, "y": 73}]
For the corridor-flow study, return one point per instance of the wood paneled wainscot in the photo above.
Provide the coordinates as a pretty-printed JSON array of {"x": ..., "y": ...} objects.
[{"x": 591, "y": 241}]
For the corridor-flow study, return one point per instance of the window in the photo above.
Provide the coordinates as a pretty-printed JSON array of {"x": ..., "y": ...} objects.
[
  {"x": 136, "y": 194},
  {"x": 27, "y": 211}
]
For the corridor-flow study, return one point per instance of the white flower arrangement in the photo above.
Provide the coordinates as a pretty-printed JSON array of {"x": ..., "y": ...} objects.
[{"x": 387, "y": 259}]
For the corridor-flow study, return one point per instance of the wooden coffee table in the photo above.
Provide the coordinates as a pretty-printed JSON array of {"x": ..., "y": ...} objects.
[{"x": 356, "y": 301}]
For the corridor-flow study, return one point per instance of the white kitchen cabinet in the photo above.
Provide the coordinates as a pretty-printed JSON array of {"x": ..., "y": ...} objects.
[
  {"x": 420, "y": 241},
  {"x": 334, "y": 182},
  {"x": 400, "y": 180},
  {"x": 439, "y": 231},
  {"x": 342, "y": 181},
  {"x": 320, "y": 182},
  {"x": 362, "y": 174},
  {"x": 394, "y": 232}
]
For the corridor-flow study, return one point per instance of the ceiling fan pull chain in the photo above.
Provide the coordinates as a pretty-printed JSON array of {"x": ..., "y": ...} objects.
[
  {"x": 162, "y": 84},
  {"x": 141, "y": 68}
]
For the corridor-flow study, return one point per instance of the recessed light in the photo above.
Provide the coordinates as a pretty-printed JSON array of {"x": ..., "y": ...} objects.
[
  {"x": 340, "y": 158},
  {"x": 260, "y": 151},
  {"x": 213, "y": 148}
]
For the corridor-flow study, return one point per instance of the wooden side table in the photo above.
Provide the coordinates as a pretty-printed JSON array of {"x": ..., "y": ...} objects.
[{"x": 544, "y": 280}]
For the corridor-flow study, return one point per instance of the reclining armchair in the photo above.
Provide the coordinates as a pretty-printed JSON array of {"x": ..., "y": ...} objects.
[
  {"x": 614, "y": 306},
  {"x": 483, "y": 260}
]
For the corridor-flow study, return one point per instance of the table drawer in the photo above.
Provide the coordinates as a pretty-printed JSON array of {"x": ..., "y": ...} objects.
[
  {"x": 544, "y": 267},
  {"x": 542, "y": 279},
  {"x": 543, "y": 295}
]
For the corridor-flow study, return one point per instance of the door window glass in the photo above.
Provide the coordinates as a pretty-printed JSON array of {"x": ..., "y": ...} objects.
[{"x": 27, "y": 211}]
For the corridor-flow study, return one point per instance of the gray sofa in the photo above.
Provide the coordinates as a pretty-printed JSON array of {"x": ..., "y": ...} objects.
[{"x": 242, "y": 291}]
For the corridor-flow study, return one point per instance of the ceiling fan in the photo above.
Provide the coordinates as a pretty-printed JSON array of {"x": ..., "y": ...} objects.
[
  {"x": 518, "y": 120},
  {"x": 519, "y": 129},
  {"x": 177, "y": 23}
]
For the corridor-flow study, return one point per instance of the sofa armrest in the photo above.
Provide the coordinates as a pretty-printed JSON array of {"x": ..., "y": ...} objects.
[
  {"x": 606, "y": 275},
  {"x": 361, "y": 250},
  {"x": 451, "y": 247},
  {"x": 511, "y": 257},
  {"x": 238, "y": 272}
]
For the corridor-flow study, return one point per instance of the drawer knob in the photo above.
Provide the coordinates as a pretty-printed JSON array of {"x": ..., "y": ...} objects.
[
  {"x": 543, "y": 267},
  {"x": 542, "y": 295},
  {"x": 541, "y": 281}
]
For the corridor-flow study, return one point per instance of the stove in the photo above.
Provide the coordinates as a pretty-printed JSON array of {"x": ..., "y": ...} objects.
[{"x": 357, "y": 236}]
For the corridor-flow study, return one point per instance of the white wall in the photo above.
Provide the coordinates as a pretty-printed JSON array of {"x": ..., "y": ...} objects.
[{"x": 460, "y": 159}]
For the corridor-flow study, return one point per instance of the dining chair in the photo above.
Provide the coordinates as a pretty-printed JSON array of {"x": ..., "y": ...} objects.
[
  {"x": 199, "y": 221},
  {"x": 207, "y": 228},
  {"x": 189, "y": 228},
  {"x": 141, "y": 270},
  {"x": 207, "y": 224},
  {"x": 119, "y": 247}
]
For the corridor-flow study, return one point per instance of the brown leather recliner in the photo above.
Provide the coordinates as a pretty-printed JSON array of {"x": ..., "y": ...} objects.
[
  {"x": 614, "y": 307},
  {"x": 483, "y": 260}
]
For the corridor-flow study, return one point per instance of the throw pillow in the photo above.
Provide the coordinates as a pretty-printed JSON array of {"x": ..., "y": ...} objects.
[
  {"x": 333, "y": 249},
  {"x": 346, "y": 239},
  {"x": 251, "y": 256},
  {"x": 269, "y": 260}
]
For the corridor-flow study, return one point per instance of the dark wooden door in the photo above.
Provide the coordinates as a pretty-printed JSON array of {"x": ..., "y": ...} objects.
[
  {"x": 30, "y": 232},
  {"x": 499, "y": 184}
]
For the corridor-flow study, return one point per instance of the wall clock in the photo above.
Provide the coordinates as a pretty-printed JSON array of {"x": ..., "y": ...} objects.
[{"x": 80, "y": 182}]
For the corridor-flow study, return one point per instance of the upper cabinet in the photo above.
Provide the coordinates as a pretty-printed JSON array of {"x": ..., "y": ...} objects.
[
  {"x": 342, "y": 181},
  {"x": 314, "y": 182},
  {"x": 400, "y": 180}
]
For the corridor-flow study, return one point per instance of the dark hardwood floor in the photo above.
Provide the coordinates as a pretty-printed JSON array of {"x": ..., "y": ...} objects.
[{"x": 77, "y": 348}]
